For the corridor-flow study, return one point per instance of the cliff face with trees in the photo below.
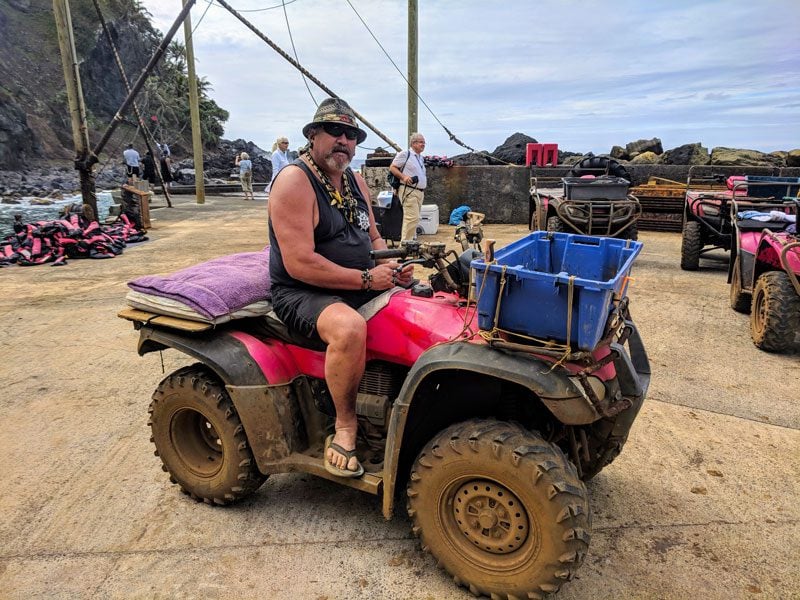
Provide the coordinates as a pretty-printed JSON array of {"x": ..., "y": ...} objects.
[{"x": 34, "y": 117}]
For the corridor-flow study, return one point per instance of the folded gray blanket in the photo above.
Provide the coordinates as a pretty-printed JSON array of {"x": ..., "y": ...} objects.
[{"x": 216, "y": 287}]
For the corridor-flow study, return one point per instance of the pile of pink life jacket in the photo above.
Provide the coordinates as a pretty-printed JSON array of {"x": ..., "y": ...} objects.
[{"x": 72, "y": 236}]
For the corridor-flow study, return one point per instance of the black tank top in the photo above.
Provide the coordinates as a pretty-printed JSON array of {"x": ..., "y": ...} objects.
[{"x": 344, "y": 243}]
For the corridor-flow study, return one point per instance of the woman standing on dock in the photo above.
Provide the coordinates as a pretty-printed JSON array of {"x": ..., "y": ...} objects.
[{"x": 246, "y": 174}]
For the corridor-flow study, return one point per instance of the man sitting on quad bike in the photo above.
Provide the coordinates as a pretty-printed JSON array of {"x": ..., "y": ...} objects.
[{"x": 321, "y": 230}]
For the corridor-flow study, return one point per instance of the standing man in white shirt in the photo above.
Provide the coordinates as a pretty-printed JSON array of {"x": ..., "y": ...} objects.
[
  {"x": 409, "y": 167},
  {"x": 131, "y": 157},
  {"x": 280, "y": 157}
]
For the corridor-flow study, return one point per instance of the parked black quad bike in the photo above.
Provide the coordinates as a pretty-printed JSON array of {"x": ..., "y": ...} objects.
[
  {"x": 611, "y": 211},
  {"x": 492, "y": 442}
]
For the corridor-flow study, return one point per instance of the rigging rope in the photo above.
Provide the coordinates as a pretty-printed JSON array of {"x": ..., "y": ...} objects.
[
  {"x": 300, "y": 68},
  {"x": 451, "y": 135}
]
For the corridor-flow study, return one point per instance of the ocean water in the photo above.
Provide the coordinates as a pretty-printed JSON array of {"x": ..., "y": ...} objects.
[{"x": 34, "y": 212}]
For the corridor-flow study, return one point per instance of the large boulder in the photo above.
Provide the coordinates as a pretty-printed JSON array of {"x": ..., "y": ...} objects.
[
  {"x": 513, "y": 149},
  {"x": 618, "y": 153},
  {"x": 221, "y": 163},
  {"x": 688, "y": 154},
  {"x": 724, "y": 157},
  {"x": 471, "y": 159},
  {"x": 646, "y": 158},
  {"x": 639, "y": 146},
  {"x": 793, "y": 158}
]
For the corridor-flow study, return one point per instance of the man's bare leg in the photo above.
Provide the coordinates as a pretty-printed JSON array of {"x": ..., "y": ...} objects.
[{"x": 345, "y": 332}]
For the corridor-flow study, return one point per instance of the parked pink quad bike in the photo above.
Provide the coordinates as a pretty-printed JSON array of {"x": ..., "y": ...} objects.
[
  {"x": 764, "y": 271},
  {"x": 492, "y": 439},
  {"x": 707, "y": 224}
]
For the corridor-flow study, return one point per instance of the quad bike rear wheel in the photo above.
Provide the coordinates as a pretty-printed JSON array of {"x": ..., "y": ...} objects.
[
  {"x": 740, "y": 301},
  {"x": 775, "y": 315},
  {"x": 200, "y": 439},
  {"x": 501, "y": 509},
  {"x": 691, "y": 245}
]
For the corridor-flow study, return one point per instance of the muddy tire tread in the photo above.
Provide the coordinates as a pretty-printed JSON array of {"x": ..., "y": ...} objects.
[
  {"x": 203, "y": 382},
  {"x": 549, "y": 469},
  {"x": 740, "y": 300},
  {"x": 691, "y": 244},
  {"x": 782, "y": 318}
]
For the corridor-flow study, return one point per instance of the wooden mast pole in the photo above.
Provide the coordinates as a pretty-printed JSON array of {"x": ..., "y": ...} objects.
[
  {"x": 194, "y": 112},
  {"x": 77, "y": 107},
  {"x": 413, "y": 59}
]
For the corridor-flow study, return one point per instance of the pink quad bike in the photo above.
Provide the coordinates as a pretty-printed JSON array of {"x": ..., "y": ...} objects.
[
  {"x": 764, "y": 272},
  {"x": 491, "y": 441},
  {"x": 707, "y": 224}
]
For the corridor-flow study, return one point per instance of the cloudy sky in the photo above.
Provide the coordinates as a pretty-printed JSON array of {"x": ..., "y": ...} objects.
[{"x": 586, "y": 75}]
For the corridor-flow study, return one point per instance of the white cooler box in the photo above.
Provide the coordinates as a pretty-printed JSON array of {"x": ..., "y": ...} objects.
[{"x": 428, "y": 219}]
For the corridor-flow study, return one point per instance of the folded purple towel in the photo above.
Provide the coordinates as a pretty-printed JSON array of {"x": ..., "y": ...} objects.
[{"x": 216, "y": 287}]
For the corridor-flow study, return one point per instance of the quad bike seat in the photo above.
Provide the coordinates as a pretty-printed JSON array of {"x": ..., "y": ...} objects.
[
  {"x": 271, "y": 325},
  {"x": 755, "y": 225}
]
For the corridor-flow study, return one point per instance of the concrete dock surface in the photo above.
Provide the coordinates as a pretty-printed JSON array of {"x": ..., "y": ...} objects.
[{"x": 703, "y": 502}]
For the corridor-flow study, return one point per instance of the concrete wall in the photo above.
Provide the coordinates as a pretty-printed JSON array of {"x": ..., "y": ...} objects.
[{"x": 502, "y": 192}]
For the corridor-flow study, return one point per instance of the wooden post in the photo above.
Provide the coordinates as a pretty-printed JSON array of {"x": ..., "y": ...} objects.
[
  {"x": 77, "y": 108},
  {"x": 413, "y": 56},
  {"x": 194, "y": 112}
]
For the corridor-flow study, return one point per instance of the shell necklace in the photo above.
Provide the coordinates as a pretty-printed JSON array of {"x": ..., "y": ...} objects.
[{"x": 346, "y": 203}]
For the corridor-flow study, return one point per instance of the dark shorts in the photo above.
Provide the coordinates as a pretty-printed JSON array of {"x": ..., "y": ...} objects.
[
  {"x": 132, "y": 170},
  {"x": 299, "y": 309}
]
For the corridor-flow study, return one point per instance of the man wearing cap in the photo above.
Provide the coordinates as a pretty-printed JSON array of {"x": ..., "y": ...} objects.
[
  {"x": 409, "y": 167},
  {"x": 321, "y": 229}
]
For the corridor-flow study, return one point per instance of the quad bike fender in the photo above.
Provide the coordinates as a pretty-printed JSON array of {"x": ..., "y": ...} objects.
[
  {"x": 559, "y": 393},
  {"x": 238, "y": 358},
  {"x": 259, "y": 375}
]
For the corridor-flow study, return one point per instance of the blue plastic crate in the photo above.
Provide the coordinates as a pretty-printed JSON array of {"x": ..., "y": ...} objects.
[{"x": 535, "y": 297}]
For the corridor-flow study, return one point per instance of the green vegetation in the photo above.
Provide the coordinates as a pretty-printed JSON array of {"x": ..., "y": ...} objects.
[{"x": 165, "y": 97}]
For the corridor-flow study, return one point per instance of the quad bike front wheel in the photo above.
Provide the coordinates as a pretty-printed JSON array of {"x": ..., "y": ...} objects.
[
  {"x": 740, "y": 300},
  {"x": 200, "y": 439},
  {"x": 691, "y": 245},
  {"x": 501, "y": 509},
  {"x": 775, "y": 315}
]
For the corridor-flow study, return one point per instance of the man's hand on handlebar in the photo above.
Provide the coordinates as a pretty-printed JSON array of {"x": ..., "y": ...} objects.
[{"x": 390, "y": 274}]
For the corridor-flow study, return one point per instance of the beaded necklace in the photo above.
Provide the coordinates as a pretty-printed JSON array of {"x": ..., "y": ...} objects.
[{"x": 346, "y": 203}]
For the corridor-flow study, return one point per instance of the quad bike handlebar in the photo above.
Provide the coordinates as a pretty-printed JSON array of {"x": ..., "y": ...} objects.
[{"x": 449, "y": 274}]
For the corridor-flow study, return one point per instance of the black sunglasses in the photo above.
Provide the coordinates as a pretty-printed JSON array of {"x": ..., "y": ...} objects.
[{"x": 335, "y": 130}]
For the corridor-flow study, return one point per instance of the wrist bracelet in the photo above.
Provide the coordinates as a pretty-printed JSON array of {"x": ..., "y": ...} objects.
[{"x": 366, "y": 280}]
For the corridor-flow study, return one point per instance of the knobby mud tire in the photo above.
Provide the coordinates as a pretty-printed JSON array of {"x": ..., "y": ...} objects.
[
  {"x": 740, "y": 300},
  {"x": 775, "y": 314},
  {"x": 691, "y": 244},
  {"x": 555, "y": 224},
  {"x": 502, "y": 510},
  {"x": 200, "y": 439}
]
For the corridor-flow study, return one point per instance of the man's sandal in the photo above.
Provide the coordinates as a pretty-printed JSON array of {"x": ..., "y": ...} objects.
[{"x": 346, "y": 453}]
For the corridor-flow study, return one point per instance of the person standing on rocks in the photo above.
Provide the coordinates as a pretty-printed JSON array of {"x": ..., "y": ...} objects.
[
  {"x": 131, "y": 157},
  {"x": 280, "y": 157},
  {"x": 245, "y": 174},
  {"x": 409, "y": 167}
]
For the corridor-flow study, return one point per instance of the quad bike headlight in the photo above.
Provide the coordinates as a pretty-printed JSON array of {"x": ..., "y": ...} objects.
[{"x": 710, "y": 211}]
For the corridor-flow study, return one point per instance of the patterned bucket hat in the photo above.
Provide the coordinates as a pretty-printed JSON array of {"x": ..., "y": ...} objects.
[{"x": 335, "y": 110}]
